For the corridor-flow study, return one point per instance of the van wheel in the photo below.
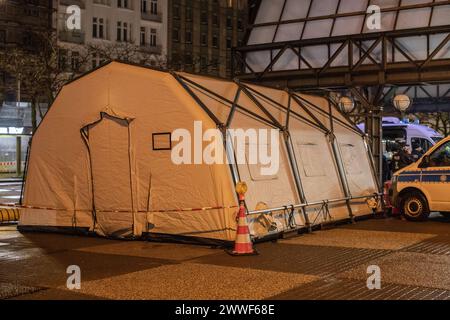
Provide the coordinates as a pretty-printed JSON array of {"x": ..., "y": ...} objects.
[{"x": 415, "y": 207}]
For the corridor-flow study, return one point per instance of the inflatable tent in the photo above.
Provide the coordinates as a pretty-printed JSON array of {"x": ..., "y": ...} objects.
[{"x": 101, "y": 160}]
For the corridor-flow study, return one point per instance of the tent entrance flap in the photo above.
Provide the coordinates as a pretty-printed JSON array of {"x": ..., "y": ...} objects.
[{"x": 110, "y": 157}]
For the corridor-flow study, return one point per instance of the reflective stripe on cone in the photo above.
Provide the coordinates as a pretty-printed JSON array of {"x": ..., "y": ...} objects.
[{"x": 243, "y": 244}]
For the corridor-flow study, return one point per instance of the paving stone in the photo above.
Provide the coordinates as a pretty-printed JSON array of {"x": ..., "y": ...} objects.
[
  {"x": 195, "y": 281},
  {"x": 364, "y": 239},
  {"x": 409, "y": 268}
]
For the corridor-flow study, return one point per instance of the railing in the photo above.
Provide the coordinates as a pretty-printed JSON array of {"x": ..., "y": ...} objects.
[
  {"x": 79, "y": 3},
  {"x": 151, "y": 17},
  {"x": 151, "y": 49},
  {"x": 72, "y": 36},
  {"x": 317, "y": 203},
  {"x": 103, "y": 2}
]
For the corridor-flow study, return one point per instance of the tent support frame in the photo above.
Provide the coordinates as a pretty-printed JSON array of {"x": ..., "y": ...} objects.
[{"x": 284, "y": 129}]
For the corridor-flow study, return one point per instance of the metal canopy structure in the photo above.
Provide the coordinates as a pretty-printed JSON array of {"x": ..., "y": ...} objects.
[{"x": 335, "y": 45}]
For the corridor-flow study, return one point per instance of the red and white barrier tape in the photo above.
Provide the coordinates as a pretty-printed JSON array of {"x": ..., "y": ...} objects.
[{"x": 17, "y": 206}]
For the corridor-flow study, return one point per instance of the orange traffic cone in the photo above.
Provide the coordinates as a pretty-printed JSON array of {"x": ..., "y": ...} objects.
[{"x": 243, "y": 245}]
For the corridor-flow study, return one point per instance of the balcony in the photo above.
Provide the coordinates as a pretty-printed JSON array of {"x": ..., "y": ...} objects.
[
  {"x": 151, "y": 49},
  {"x": 79, "y": 3},
  {"x": 151, "y": 17},
  {"x": 103, "y": 2},
  {"x": 71, "y": 36}
]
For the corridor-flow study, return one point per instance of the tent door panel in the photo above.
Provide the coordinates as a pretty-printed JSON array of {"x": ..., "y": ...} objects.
[{"x": 109, "y": 144}]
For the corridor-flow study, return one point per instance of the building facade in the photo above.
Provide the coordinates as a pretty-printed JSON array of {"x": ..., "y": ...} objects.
[
  {"x": 202, "y": 33},
  {"x": 112, "y": 29},
  {"x": 20, "y": 23}
]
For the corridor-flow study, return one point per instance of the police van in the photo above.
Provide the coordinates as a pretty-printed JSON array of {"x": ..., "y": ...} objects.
[
  {"x": 413, "y": 134},
  {"x": 424, "y": 186}
]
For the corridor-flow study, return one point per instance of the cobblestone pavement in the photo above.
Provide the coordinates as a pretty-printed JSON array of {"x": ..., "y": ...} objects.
[{"x": 332, "y": 264}]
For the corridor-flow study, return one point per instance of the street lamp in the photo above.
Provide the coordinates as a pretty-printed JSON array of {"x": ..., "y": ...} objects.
[
  {"x": 402, "y": 102},
  {"x": 346, "y": 104}
]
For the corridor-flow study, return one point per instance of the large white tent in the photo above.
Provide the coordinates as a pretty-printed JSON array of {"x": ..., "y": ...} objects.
[{"x": 101, "y": 159}]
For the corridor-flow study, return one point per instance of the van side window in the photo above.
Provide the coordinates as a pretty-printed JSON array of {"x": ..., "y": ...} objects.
[
  {"x": 422, "y": 143},
  {"x": 441, "y": 157}
]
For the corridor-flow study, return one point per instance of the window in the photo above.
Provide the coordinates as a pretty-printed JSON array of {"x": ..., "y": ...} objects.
[
  {"x": 142, "y": 36},
  {"x": 215, "y": 20},
  {"x": 27, "y": 38},
  {"x": 75, "y": 60},
  {"x": 311, "y": 158},
  {"x": 95, "y": 60},
  {"x": 229, "y": 43},
  {"x": 188, "y": 14},
  {"x": 103, "y": 2},
  {"x": 229, "y": 23},
  {"x": 176, "y": 12},
  {"x": 240, "y": 25},
  {"x": 97, "y": 28},
  {"x": 2, "y": 36},
  {"x": 255, "y": 168},
  {"x": 351, "y": 160},
  {"x": 420, "y": 143},
  {"x": 204, "y": 17},
  {"x": 101, "y": 28},
  {"x": 144, "y": 6},
  {"x": 94, "y": 27},
  {"x": 162, "y": 141},
  {"x": 203, "y": 63},
  {"x": 122, "y": 3},
  {"x": 176, "y": 35},
  {"x": 204, "y": 39},
  {"x": 119, "y": 31},
  {"x": 154, "y": 7},
  {"x": 188, "y": 36},
  {"x": 125, "y": 31},
  {"x": 62, "y": 59},
  {"x": 188, "y": 58},
  {"x": 441, "y": 157},
  {"x": 153, "y": 37},
  {"x": 215, "y": 41}
]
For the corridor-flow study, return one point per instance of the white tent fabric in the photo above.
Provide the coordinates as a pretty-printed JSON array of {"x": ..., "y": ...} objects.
[{"x": 101, "y": 159}]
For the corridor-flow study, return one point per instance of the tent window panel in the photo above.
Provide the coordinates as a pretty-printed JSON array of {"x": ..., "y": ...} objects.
[
  {"x": 162, "y": 141},
  {"x": 255, "y": 169},
  {"x": 351, "y": 159},
  {"x": 313, "y": 164}
]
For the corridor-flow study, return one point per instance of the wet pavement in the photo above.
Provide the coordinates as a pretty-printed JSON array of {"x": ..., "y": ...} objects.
[
  {"x": 10, "y": 192},
  {"x": 414, "y": 259}
]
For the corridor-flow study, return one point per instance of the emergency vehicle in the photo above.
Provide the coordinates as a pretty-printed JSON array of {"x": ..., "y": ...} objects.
[{"x": 424, "y": 186}]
